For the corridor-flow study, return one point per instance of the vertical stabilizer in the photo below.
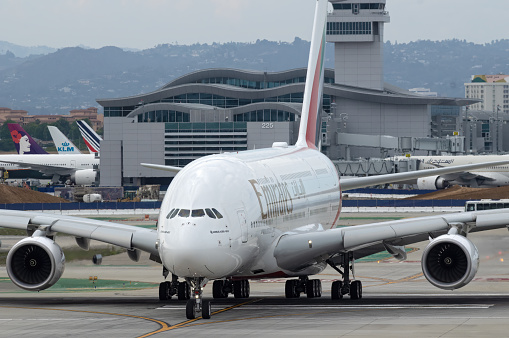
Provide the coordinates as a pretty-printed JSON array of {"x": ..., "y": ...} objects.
[
  {"x": 62, "y": 143},
  {"x": 24, "y": 143},
  {"x": 309, "y": 123},
  {"x": 92, "y": 139}
]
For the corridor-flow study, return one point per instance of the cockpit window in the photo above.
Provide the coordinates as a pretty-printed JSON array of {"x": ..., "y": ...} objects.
[
  {"x": 218, "y": 214},
  {"x": 169, "y": 214},
  {"x": 184, "y": 213},
  {"x": 197, "y": 213},
  {"x": 174, "y": 213},
  {"x": 210, "y": 213}
]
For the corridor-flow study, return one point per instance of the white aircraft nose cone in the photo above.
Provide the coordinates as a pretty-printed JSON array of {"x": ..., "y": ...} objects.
[{"x": 194, "y": 253}]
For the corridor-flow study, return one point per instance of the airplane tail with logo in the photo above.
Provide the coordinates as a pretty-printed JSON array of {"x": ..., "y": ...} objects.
[
  {"x": 310, "y": 117},
  {"x": 92, "y": 139},
  {"x": 24, "y": 143},
  {"x": 62, "y": 143}
]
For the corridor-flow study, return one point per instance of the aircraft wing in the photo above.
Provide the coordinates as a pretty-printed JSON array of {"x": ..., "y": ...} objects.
[
  {"x": 45, "y": 169},
  {"x": 362, "y": 182},
  {"x": 127, "y": 236},
  {"x": 295, "y": 252},
  {"x": 162, "y": 167}
]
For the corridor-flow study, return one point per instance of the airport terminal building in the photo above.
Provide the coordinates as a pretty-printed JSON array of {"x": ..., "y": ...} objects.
[{"x": 227, "y": 110}]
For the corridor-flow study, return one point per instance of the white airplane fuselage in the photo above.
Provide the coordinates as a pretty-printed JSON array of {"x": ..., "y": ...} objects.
[
  {"x": 261, "y": 194},
  {"x": 78, "y": 161}
]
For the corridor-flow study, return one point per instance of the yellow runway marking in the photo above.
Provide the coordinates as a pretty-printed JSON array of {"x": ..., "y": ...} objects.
[
  {"x": 160, "y": 322},
  {"x": 406, "y": 279}
]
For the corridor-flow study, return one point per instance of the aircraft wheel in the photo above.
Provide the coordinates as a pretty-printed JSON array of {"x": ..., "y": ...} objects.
[
  {"x": 164, "y": 291},
  {"x": 184, "y": 292},
  {"x": 337, "y": 290},
  {"x": 291, "y": 288},
  {"x": 356, "y": 290},
  {"x": 205, "y": 311},
  {"x": 190, "y": 309},
  {"x": 217, "y": 289}
]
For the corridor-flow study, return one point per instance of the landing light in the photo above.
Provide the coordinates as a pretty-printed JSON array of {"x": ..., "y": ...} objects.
[{"x": 310, "y": 244}]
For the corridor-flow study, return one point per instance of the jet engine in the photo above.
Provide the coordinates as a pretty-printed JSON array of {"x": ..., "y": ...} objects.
[
  {"x": 35, "y": 263},
  {"x": 450, "y": 261},
  {"x": 432, "y": 183},
  {"x": 84, "y": 176}
]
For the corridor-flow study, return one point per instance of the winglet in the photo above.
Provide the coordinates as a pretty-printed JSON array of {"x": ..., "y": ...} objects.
[
  {"x": 24, "y": 143},
  {"x": 309, "y": 126}
]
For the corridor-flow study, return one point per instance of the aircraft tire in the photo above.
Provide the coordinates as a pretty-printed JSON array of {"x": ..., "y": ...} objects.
[
  {"x": 336, "y": 290},
  {"x": 205, "y": 311},
  {"x": 190, "y": 309}
]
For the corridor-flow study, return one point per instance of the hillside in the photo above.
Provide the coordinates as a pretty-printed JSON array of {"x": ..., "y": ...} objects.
[
  {"x": 10, "y": 194},
  {"x": 69, "y": 78}
]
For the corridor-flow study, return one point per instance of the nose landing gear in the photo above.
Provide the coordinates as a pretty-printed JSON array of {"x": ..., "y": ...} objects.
[{"x": 196, "y": 304}]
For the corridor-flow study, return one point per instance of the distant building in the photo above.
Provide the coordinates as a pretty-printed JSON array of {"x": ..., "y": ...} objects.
[
  {"x": 493, "y": 90},
  {"x": 22, "y": 117}
]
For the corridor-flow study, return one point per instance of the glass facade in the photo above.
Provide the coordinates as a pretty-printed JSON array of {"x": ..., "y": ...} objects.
[
  {"x": 186, "y": 142},
  {"x": 349, "y": 28},
  {"x": 362, "y": 6},
  {"x": 265, "y": 115},
  {"x": 163, "y": 116},
  {"x": 236, "y": 82}
]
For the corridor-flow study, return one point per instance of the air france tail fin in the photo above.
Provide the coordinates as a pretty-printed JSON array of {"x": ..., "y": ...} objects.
[
  {"x": 24, "y": 143},
  {"x": 62, "y": 143},
  {"x": 309, "y": 123},
  {"x": 92, "y": 139}
]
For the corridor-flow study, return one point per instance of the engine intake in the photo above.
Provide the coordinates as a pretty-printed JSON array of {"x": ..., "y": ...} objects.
[
  {"x": 35, "y": 263},
  {"x": 432, "y": 183},
  {"x": 450, "y": 262}
]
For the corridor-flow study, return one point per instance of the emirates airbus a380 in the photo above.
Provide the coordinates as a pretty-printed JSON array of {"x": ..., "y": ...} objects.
[{"x": 271, "y": 212}]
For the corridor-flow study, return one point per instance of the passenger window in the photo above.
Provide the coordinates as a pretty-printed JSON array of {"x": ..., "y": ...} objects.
[
  {"x": 174, "y": 213},
  {"x": 218, "y": 214},
  {"x": 210, "y": 213},
  {"x": 197, "y": 213},
  {"x": 184, "y": 213},
  {"x": 171, "y": 211}
]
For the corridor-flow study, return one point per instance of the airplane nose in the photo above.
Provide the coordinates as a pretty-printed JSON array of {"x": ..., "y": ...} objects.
[{"x": 190, "y": 252}]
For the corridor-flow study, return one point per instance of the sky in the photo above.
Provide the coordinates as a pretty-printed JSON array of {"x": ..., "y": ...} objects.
[{"x": 142, "y": 24}]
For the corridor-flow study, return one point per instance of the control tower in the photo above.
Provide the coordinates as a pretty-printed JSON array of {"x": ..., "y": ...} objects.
[{"x": 356, "y": 29}]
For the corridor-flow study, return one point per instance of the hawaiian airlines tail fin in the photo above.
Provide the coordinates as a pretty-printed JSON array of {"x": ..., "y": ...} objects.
[
  {"x": 62, "y": 143},
  {"x": 309, "y": 123},
  {"x": 92, "y": 139},
  {"x": 24, "y": 143}
]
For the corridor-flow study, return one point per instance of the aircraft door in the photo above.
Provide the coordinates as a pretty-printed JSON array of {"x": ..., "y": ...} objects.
[
  {"x": 73, "y": 164},
  {"x": 243, "y": 225}
]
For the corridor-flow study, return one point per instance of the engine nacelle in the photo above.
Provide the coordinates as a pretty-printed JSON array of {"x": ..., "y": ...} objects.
[
  {"x": 35, "y": 263},
  {"x": 432, "y": 183},
  {"x": 84, "y": 176},
  {"x": 450, "y": 262}
]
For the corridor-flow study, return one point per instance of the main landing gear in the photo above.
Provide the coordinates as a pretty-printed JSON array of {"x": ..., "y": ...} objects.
[
  {"x": 311, "y": 287},
  {"x": 168, "y": 289},
  {"x": 339, "y": 288},
  {"x": 222, "y": 288}
]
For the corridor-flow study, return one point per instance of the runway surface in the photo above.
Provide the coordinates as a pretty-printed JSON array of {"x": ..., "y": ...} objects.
[{"x": 398, "y": 302}]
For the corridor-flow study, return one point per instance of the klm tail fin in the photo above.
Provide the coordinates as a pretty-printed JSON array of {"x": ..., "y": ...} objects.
[
  {"x": 24, "y": 143},
  {"x": 92, "y": 139},
  {"x": 309, "y": 123},
  {"x": 62, "y": 143}
]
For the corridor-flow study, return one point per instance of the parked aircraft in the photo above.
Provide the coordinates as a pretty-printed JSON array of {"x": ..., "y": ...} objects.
[
  {"x": 35, "y": 162},
  {"x": 493, "y": 176},
  {"x": 232, "y": 217},
  {"x": 92, "y": 139}
]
